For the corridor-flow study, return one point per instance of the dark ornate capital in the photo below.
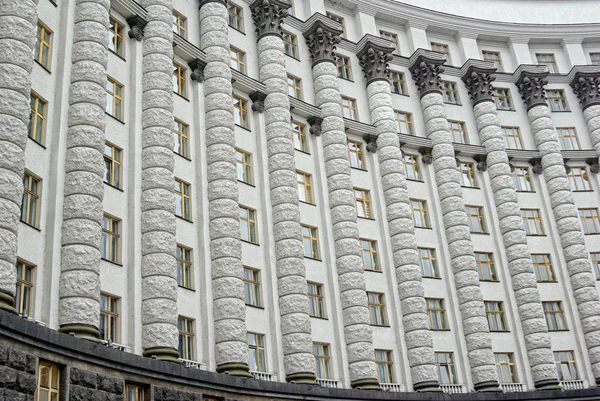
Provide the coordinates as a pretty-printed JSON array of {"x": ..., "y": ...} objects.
[
  {"x": 536, "y": 165},
  {"x": 371, "y": 143},
  {"x": 268, "y": 16},
  {"x": 481, "y": 161},
  {"x": 479, "y": 84},
  {"x": 426, "y": 67},
  {"x": 374, "y": 60},
  {"x": 531, "y": 86},
  {"x": 197, "y": 70},
  {"x": 136, "y": 27},
  {"x": 315, "y": 125},
  {"x": 321, "y": 40},
  {"x": 593, "y": 163},
  {"x": 586, "y": 86},
  {"x": 426, "y": 156},
  {"x": 258, "y": 101}
]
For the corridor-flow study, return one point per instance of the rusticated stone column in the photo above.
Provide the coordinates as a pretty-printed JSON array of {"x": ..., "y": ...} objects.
[
  {"x": 537, "y": 341},
  {"x": 229, "y": 310},
  {"x": 426, "y": 69},
  {"x": 583, "y": 282},
  {"x": 160, "y": 335},
  {"x": 18, "y": 21},
  {"x": 321, "y": 38},
  {"x": 374, "y": 59},
  {"x": 79, "y": 290},
  {"x": 586, "y": 86},
  {"x": 298, "y": 358}
]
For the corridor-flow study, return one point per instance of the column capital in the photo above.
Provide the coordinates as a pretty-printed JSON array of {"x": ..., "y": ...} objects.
[
  {"x": 374, "y": 56},
  {"x": 136, "y": 25},
  {"x": 586, "y": 86},
  {"x": 531, "y": 82},
  {"x": 426, "y": 67},
  {"x": 478, "y": 77},
  {"x": 322, "y": 38},
  {"x": 268, "y": 16}
]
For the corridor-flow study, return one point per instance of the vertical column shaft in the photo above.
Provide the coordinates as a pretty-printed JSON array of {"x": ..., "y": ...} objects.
[
  {"x": 229, "y": 310},
  {"x": 79, "y": 290},
  {"x": 159, "y": 269},
  {"x": 17, "y": 26},
  {"x": 592, "y": 120}
]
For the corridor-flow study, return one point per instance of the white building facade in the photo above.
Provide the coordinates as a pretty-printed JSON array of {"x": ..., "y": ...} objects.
[{"x": 358, "y": 194}]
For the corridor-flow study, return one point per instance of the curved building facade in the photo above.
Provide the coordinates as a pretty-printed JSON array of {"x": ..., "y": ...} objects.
[{"x": 348, "y": 194}]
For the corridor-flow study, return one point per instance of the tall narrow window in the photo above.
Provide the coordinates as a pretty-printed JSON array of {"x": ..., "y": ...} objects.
[
  {"x": 566, "y": 368},
  {"x": 494, "y": 57},
  {"x": 567, "y": 137},
  {"x": 547, "y": 60},
  {"x": 595, "y": 257},
  {"x": 310, "y": 237},
  {"x": 186, "y": 337},
  {"x": 48, "y": 385},
  {"x": 43, "y": 45},
  {"x": 294, "y": 86},
  {"x": 24, "y": 289},
  {"x": 339, "y": 19},
  {"x": 450, "y": 92},
  {"x": 181, "y": 139},
  {"x": 428, "y": 262},
  {"x": 356, "y": 154},
  {"x": 486, "y": 266},
  {"x": 248, "y": 228},
  {"x": 290, "y": 44},
  {"x": 442, "y": 49},
  {"x": 299, "y": 134},
  {"x": 590, "y": 220},
  {"x": 110, "y": 246},
  {"x": 503, "y": 99},
  {"x": 240, "y": 111},
  {"x": 579, "y": 179},
  {"x": 349, "y": 108},
  {"x": 420, "y": 213},
  {"x": 476, "y": 219},
  {"x": 392, "y": 37},
  {"x": 458, "y": 130},
  {"x": 557, "y": 100},
  {"x": 183, "y": 256},
  {"x": 363, "y": 203},
  {"x": 532, "y": 222},
  {"x": 305, "y": 187},
  {"x": 496, "y": 316},
  {"x": 180, "y": 24},
  {"x": 323, "y": 360},
  {"x": 446, "y": 369},
  {"x": 542, "y": 266},
  {"x": 370, "y": 254},
  {"x": 377, "y": 308},
  {"x": 404, "y": 122},
  {"x": 37, "y": 120},
  {"x": 412, "y": 167},
  {"x": 343, "y": 66},
  {"x": 512, "y": 138},
  {"x": 316, "y": 300},
  {"x": 30, "y": 205},
  {"x": 385, "y": 366},
  {"x": 236, "y": 16},
  {"x": 252, "y": 286},
  {"x": 112, "y": 165},
  {"x": 183, "y": 199},
  {"x": 256, "y": 352},
  {"x": 467, "y": 175},
  {"x": 555, "y": 316},
  {"x": 506, "y": 366},
  {"x": 522, "y": 179},
  {"x": 134, "y": 393},
  {"x": 238, "y": 60},
  {"x": 116, "y": 37},
  {"x": 114, "y": 99},
  {"x": 398, "y": 83},
  {"x": 244, "y": 166},
  {"x": 180, "y": 80},
  {"x": 109, "y": 317},
  {"x": 437, "y": 314}
]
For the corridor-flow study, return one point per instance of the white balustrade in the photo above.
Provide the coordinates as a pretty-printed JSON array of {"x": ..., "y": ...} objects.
[
  {"x": 513, "y": 387},
  {"x": 572, "y": 384},
  {"x": 113, "y": 345},
  {"x": 392, "y": 387},
  {"x": 328, "y": 383},
  {"x": 193, "y": 364},
  {"x": 268, "y": 377},
  {"x": 452, "y": 388}
]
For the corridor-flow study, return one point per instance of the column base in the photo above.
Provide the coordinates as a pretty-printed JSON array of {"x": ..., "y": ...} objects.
[
  {"x": 234, "y": 369},
  {"x": 428, "y": 387},
  {"x": 548, "y": 384},
  {"x": 302, "y": 378},
  {"x": 81, "y": 331},
  {"x": 366, "y": 384},
  {"x": 488, "y": 386},
  {"x": 7, "y": 302},
  {"x": 162, "y": 354}
]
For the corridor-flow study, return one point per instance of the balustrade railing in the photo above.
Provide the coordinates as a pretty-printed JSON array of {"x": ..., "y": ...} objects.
[
  {"x": 452, "y": 388},
  {"x": 328, "y": 383}
]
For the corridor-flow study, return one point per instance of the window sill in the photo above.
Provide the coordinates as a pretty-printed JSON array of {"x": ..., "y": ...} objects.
[
  {"x": 308, "y": 203},
  {"x": 439, "y": 329},
  {"x": 557, "y": 330},
  {"x": 373, "y": 271},
  {"x": 237, "y": 30},
  {"x": 526, "y": 192},
  {"x": 489, "y": 281},
  {"x": 247, "y": 183},
  {"x": 431, "y": 277},
  {"x": 499, "y": 331},
  {"x": 186, "y": 288},
  {"x": 112, "y": 186},
  {"x": 550, "y": 281},
  {"x": 473, "y": 232},
  {"x": 585, "y": 190},
  {"x": 117, "y": 54},
  {"x": 242, "y": 127},
  {"x": 535, "y": 235},
  {"x": 308, "y": 257},
  {"x": 366, "y": 218},
  {"x": 358, "y": 168},
  {"x": 318, "y": 317},
  {"x": 181, "y": 96},
  {"x": 114, "y": 118},
  {"x": 401, "y": 94},
  {"x": 251, "y": 243},
  {"x": 410, "y": 179},
  {"x": 29, "y": 225},
  {"x": 424, "y": 228},
  {"x": 468, "y": 187},
  {"x": 453, "y": 104},
  {"x": 292, "y": 57},
  {"x": 37, "y": 143},
  {"x": 302, "y": 151},
  {"x": 380, "y": 325},
  {"x": 182, "y": 156},
  {"x": 184, "y": 219},
  {"x": 255, "y": 306},
  {"x": 111, "y": 262},
  {"x": 591, "y": 233},
  {"x": 43, "y": 66},
  {"x": 560, "y": 111},
  {"x": 505, "y": 109}
]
